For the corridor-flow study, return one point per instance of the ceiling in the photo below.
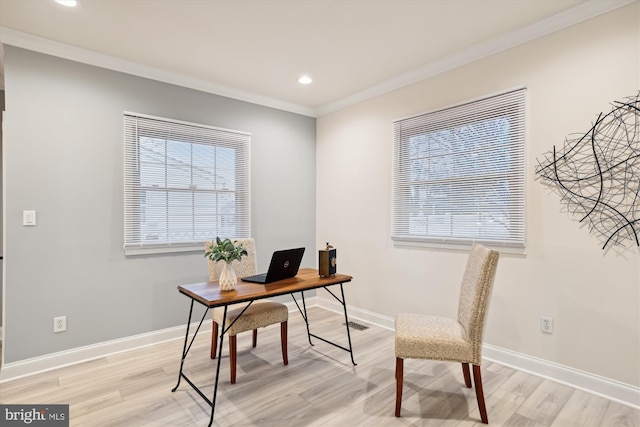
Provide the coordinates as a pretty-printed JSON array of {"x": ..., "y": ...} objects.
[{"x": 255, "y": 50}]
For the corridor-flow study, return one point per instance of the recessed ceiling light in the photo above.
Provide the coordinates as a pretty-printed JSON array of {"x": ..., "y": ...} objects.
[
  {"x": 305, "y": 80},
  {"x": 68, "y": 3}
]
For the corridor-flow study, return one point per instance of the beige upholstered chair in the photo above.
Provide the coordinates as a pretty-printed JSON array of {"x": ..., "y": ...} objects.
[
  {"x": 454, "y": 340},
  {"x": 260, "y": 314}
]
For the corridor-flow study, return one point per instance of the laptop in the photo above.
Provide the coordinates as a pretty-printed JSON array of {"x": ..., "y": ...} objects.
[{"x": 284, "y": 264}]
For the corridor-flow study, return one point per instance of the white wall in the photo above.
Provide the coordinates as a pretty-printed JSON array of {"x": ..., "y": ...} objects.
[{"x": 593, "y": 296}]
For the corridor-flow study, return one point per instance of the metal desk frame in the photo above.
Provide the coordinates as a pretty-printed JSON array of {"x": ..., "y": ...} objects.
[{"x": 209, "y": 295}]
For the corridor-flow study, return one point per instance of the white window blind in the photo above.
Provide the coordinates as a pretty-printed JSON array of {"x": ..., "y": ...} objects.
[
  {"x": 185, "y": 184},
  {"x": 459, "y": 174}
]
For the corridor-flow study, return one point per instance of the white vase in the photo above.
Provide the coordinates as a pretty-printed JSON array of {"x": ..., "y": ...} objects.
[{"x": 228, "y": 279}]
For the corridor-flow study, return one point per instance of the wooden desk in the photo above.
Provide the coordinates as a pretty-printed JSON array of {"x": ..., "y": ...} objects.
[{"x": 209, "y": 295}]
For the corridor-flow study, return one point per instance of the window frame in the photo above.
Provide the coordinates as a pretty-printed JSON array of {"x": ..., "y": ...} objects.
[
  {"x": 143, "y": 129},
  {"x": 509, "y": 105}
]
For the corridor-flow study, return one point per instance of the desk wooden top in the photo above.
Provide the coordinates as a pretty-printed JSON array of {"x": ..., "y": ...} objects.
[{"x": 209, "y": 293}]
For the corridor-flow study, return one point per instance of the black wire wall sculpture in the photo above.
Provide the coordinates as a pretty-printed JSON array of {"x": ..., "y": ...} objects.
[{"x": 598, "y": 174}]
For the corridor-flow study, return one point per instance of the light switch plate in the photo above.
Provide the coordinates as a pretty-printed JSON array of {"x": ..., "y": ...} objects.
[{"x": 28, "y": 217}]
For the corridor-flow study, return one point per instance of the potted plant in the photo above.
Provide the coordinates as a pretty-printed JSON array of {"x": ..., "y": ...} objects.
[{"x": 226, "y": 251}]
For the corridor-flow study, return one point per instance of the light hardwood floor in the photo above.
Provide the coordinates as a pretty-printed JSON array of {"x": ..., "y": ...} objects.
[{"x": 319, "y": 387}]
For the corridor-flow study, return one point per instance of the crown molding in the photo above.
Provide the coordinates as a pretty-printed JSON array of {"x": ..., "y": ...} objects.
[
  {"x": 568, "y": 18},
  {"x": 34, "y": 43}
]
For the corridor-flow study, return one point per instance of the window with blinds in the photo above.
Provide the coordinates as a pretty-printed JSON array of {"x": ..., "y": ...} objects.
[
  {"x": 459, "y": 174},
  {"x": 184, "y": 184}
]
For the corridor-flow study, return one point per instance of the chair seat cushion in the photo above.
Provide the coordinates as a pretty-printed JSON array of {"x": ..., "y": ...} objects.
[
  {"x": 431, "y": 337},
  {"x": 258, "y": 315}
]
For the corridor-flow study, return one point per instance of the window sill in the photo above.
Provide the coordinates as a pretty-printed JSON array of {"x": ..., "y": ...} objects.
[
  {"x": 151, "y": 250},
  {"x": 462, "y": 246}
]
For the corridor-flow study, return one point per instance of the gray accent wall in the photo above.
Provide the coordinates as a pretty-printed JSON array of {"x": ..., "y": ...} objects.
[{"x": 63, "y": 150}]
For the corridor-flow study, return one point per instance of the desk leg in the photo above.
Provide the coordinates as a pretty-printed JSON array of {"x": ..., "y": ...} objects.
[
  {"x": 306, "y": 319},
  {"x": 184, "y": 348},
  {"x": 303, "y": 314},
  {"x": 215, "y": 387},
  {"x": 185, "y": 351},
  {"x": 346, "y": 322}
]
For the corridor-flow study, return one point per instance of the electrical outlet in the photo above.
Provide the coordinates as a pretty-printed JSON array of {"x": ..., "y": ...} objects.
[
  {"x": 59, "y": 324},
  {"x": 546, "y": 324}
]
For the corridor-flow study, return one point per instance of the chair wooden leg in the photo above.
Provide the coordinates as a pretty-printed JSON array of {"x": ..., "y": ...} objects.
[
  {"x": 477, "y": 379},
  {"x": 399, "y": 380},
  {"x": 467, "y": 375},
  {"x": 283, "y": 342},
  {"x": 254, "y": 342},
  {"x": 233, "y": 356},
  {"x": 214, "y": 339}
]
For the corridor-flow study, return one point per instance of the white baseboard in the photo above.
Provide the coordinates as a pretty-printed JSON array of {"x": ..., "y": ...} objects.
[
  {"x": 27, "y": 367},
  {"x": 607, "y": 388},
  {"x": 613, "y": 390},
  {"x": 356, "y": 313},
  {"x": 610, "y": 389}
]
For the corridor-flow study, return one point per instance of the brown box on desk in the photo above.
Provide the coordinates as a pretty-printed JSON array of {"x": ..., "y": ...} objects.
[{"x": 327, "y": 263}]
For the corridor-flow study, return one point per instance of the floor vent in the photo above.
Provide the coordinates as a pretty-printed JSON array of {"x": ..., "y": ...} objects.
[{"x": 357, "y": 326}]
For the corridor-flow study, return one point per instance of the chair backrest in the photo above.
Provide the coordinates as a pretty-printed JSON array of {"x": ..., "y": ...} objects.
[
  {"x": 247, "y": 266},
  {"x": 475, "y": 293}
]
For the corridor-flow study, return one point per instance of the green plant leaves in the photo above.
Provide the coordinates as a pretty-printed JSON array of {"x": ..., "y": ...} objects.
[{"x": 225, "y": 250}]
